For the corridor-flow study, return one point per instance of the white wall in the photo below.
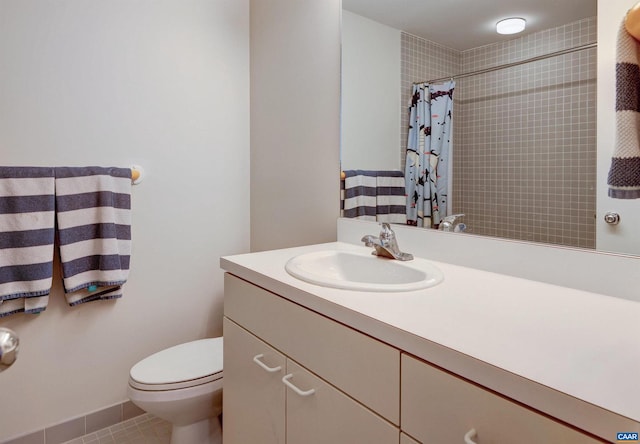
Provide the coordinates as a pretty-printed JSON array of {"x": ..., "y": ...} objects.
[
  {"x": 370, "y": 95},
  {"x": 162, "y": 83},
  {"x": 295, "y": 122},
  {"x": 624, "y": 237}
]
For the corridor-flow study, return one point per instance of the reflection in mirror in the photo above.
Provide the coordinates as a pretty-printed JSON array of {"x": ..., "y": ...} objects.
[{"x": 522, "y": 163}]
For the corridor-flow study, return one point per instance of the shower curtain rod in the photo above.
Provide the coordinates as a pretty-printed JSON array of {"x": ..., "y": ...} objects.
[{"x": 511, "y": 65}]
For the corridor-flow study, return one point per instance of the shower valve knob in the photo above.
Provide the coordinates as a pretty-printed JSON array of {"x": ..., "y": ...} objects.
[
  {"x": 8, "y": 347},
  {"x": 612, "y": 218}
]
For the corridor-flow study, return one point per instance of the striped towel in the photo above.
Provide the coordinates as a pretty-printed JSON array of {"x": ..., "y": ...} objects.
[
  {"x": 360, "y": 194},
  {"x": 375, "y": 195},
  {"x": 624, "y": 174},
  {"x": 391, "y": 197},
  {"x": 26, "y": 238},
  {"x": 94, "y": 231}
]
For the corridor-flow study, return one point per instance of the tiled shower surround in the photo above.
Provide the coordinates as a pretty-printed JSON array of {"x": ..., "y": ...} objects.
[{"x": 524, "y": 146}]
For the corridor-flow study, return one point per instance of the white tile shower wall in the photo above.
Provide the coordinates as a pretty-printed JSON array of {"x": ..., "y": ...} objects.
[
  {"x": 525, "y": 159},
  {"x": 524, "y": 138}
]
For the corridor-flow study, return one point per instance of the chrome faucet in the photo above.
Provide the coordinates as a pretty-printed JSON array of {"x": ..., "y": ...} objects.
[
  {"x": 448, "y": 223},
  {"x": 386, "y": 245}
]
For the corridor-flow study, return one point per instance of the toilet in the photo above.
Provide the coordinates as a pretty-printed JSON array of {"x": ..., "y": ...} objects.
[{"x": 183, "y": 385}]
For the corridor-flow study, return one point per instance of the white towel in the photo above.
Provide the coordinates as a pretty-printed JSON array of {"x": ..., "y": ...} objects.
[
  {"x": 94, "y": 230},
  {"x": 26, "y": 238}
]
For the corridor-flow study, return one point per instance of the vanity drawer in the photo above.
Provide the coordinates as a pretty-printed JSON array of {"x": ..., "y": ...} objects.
[
  {"x": 438, "y": 408},
  {"x": 363, "y": 368}
]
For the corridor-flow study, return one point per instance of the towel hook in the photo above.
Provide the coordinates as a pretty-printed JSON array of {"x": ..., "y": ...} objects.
[{"x": 137, "y": 174}]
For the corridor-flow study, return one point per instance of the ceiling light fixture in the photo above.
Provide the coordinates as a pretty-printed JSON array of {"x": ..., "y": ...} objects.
[{"x": 512, "y": 25}]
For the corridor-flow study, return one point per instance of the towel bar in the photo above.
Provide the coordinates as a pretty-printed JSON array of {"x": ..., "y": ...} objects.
[{"x": 632, "y": 21}]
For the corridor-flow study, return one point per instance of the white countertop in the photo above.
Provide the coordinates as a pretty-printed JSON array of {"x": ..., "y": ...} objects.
[{"x": 572, "y": 354}]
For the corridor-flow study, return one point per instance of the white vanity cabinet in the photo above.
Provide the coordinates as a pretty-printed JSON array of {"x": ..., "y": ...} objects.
[
  {"x": 294, "y": 376},
  {"x": 349, "y": 388},
  {"x": 513, "y": 359}
]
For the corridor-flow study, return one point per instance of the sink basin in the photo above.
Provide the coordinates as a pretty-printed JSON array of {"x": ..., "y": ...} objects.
[{"x": 363, "y": 271}]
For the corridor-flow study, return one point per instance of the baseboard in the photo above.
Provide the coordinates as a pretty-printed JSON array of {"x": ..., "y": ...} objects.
[{"x": 80, "y": 426}]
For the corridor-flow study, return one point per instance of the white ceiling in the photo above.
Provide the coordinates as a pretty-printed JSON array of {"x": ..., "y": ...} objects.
[{"x": 465, "y": 24}]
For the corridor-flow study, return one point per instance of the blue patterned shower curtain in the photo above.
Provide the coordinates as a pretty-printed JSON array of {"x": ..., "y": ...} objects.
[{"x": 428, "y": 147}]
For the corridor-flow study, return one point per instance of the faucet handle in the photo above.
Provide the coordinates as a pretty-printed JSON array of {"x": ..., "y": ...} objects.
[
  {"x": 386, "y": 232},
  {"x": 453, "y": 217},
  {"x": 447, "y": 222}
]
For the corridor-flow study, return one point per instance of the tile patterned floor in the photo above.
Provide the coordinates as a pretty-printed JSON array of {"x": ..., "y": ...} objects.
[{"x": 143, "y": 429}]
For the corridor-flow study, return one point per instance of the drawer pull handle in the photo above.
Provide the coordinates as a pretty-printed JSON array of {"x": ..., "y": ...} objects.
[
  {"x": 286, "y": 378},
  {"x": 468, "y": 438},
  {"x": 257, "y": 360}
]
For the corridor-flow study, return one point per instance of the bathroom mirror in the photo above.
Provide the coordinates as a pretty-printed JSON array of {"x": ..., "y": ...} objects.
[{"x": 524, "y": 149}]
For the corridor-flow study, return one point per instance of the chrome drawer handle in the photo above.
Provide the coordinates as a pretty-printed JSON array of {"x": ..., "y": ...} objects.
[
  {"x": 257, "y": 360},
  {"x": 286, "y": 378},
  {"x": 468, "y": 438}
]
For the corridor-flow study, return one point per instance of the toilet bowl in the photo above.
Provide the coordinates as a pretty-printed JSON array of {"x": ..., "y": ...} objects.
[{"x": 183, "y": 385}]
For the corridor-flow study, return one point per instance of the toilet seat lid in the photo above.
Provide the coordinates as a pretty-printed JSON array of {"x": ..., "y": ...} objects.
[{"x": 184, "y": 362}]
